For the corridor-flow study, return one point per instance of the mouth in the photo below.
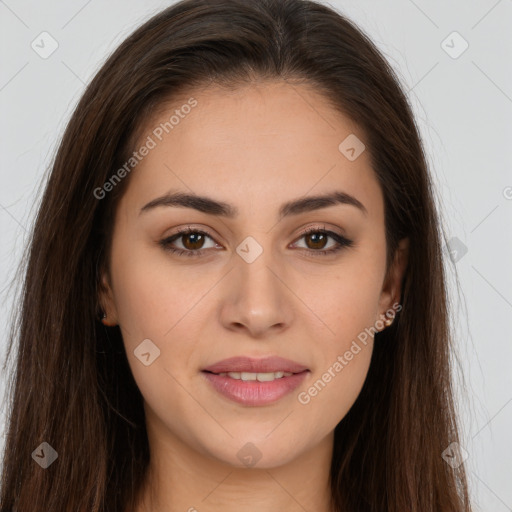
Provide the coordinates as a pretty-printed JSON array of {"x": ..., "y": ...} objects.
[
  {"x": 250, "y": 376},
  {"x": 255, "y": 382},
  {"x": 243, "y": 364}
]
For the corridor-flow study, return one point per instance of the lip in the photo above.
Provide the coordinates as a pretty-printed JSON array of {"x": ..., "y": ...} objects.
[
  {"x": 255, "y": 393},
  {"x": 249, "y": 364}
]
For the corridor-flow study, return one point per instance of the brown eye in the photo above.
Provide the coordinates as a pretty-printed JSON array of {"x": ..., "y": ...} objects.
[
  {"x": 187, "y": 242},
  {"x": 318, "y": 240},
  {"x": 192, "y": 241}
]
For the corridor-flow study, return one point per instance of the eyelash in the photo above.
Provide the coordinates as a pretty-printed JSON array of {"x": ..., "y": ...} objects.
[{"x": 342, "y": 241}]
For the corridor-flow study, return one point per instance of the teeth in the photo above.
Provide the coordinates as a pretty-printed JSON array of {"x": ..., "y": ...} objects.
[{"x": 261, "y": 377}]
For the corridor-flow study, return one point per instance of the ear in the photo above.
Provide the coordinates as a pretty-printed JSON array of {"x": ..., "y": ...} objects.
[
  {"x": 392, "y": 288},
  {"x": 106, "y": 300}
]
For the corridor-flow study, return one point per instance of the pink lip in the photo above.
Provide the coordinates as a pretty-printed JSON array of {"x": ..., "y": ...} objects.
[
  {"x": 254, "y": 392},
  {"x": 248, "y": 364}
]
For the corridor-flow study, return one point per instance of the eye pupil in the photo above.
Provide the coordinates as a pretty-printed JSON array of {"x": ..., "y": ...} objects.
[
  {"x": 317, "y": 238},
  {"x": 199, "y": 240}
]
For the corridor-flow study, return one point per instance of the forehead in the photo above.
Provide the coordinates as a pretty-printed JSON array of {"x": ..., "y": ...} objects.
[{"x": 272, "y": 139}]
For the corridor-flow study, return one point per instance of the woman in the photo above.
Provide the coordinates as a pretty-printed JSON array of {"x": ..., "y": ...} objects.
[{"x": 234, "y": 294}]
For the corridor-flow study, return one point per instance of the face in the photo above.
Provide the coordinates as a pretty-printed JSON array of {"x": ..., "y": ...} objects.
[{"x": 265, "y": 273}]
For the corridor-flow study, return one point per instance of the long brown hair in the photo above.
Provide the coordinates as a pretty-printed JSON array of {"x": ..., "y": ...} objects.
[{"x": 72, "y": 387}]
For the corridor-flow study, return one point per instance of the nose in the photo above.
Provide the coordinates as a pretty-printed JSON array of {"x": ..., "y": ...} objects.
[{"x": 256, "y": 298}]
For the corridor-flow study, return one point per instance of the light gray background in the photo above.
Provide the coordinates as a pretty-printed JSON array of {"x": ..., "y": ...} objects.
[{"x": 464, "y": 109}]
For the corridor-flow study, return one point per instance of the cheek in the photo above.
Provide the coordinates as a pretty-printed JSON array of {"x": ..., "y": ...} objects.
[
  {"x": 344, "y": 297},
  {"x": 158, "y": 302},
  {"x": 343, "y": 354},
  {"x": 346, "y": 302},
  {"x": 152, "y": 295},
  {"x": 162, "y": 303}
]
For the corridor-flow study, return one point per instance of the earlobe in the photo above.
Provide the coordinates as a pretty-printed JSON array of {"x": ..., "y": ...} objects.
[{"x": 106, "y": 320}]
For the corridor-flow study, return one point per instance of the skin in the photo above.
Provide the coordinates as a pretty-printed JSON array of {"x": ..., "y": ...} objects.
[{"x": 256, "y": 148}]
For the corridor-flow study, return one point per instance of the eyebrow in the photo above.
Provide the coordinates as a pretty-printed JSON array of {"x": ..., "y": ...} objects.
[{"x": 222, "y": 209}]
